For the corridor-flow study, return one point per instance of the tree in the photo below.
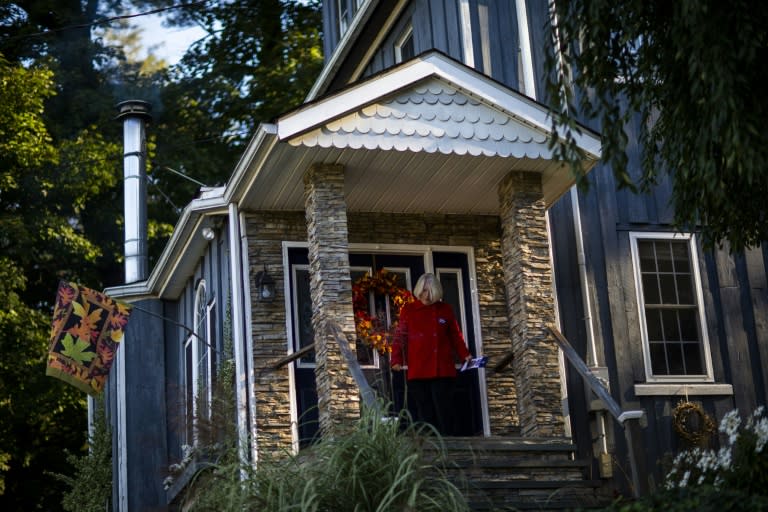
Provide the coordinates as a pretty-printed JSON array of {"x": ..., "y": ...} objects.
[
  {"x": 61, "y": 169},
  {"x": 258, "y": 60},
  {"x": 691, "y": 71},
  {"x": 37, "y": 416}
]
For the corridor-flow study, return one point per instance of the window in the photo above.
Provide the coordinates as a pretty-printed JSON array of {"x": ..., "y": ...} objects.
[
  {"x": 199, "y": 363},
  {"x": 476, "y": 35},
  {"x": 343, "y": 13},
  {"x": 404, "y": 46},
  {"x": 675, "y": 346},
  {"x": 346, "y": 11}
]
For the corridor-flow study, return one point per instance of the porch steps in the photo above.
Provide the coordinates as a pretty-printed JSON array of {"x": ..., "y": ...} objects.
[{"x": 515, "y": 473}]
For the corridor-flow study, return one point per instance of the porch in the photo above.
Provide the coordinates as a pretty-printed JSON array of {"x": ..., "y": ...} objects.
[{"x": 429, "y": 155}]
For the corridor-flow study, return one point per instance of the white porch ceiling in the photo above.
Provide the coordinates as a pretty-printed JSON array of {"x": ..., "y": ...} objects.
[{"x": 398, "y": 181}]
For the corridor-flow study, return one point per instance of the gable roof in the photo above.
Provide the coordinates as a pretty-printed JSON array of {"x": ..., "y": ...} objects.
[
  {"x": 429, "y": 136},
  {"x": 429, "y": 128}
]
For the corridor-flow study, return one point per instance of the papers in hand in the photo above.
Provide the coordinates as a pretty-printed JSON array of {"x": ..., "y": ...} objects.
[{"x": 475, "y": 362}]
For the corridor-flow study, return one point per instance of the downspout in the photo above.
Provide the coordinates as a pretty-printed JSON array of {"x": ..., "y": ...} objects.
[
  {"x": 592, "y": 359},
  {"x": 238, "y": 334},
  {"x": 248, "y": 339}
]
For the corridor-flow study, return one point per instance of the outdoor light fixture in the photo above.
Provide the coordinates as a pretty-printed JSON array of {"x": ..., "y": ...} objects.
[
  {"x": 265, "y": 286},
  {"x": 209, "y": 234}
]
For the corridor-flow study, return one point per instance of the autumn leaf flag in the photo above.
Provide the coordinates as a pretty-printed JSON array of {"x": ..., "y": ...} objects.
[{"x": 86, "y": 330}]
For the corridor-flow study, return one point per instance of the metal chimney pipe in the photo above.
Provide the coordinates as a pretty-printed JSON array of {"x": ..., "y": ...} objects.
[{"x": 134, "y": 114}]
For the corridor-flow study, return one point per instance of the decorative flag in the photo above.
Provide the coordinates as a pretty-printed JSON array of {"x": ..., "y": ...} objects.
[{"x": 86, "y": 330}]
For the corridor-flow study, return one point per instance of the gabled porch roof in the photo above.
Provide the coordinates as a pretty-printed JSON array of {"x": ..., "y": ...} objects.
[{"x": 430, "y": 135}]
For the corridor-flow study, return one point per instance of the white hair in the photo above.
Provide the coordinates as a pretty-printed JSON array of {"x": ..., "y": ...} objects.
[{"x": 430, "y": 284}]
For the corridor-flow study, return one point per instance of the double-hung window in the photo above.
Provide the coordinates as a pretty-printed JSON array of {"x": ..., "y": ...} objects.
[{"x": 675, "y": 344}]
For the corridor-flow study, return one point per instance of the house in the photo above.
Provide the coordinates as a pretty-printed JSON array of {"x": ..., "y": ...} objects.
[{"x": 422, "y": 147}]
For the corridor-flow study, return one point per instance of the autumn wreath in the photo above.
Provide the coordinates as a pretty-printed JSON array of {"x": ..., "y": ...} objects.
[
  {"x": 692, "y": 423},
  {"x": 370, "y": 329}
]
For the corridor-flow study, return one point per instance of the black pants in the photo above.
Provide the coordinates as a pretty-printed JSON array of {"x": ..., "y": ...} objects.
[{"x": 431, "y": 401}]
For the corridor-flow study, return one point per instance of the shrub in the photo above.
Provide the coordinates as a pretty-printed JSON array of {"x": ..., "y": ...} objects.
[
  {"x": 90, "y": 482},
  {"x": 733, "y": 478},
  {"x": 702, "y": 498},
  {"x": 741, "y": 464}
]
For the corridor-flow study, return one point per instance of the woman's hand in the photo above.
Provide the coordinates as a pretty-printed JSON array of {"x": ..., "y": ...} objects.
[{"x": 396, "y": 367}]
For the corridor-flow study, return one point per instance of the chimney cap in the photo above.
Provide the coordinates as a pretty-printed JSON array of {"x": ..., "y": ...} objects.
[{"x": 134, "y": 108}]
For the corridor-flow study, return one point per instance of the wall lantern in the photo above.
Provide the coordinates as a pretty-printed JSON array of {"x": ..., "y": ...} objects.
[
  {"x": 208, "y": 233},
  {"x": 265, "y": 286}
]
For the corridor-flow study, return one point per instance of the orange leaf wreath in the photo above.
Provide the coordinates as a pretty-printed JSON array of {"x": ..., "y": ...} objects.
[{"x": 368, "y": 327}]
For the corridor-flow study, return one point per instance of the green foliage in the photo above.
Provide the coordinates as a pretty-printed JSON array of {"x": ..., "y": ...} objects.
[
  {"x": 374, "y": 467},
  {"x": 692, "y": 71},
  {"x": 699, "y": 499},
  {"x": 39, "y": 416},
  {"x": 90, "y": 478},
  {"x": 61, "y": 168},
  {"x": 259, "y": 60},
  {"x": 24, "y": 140}
]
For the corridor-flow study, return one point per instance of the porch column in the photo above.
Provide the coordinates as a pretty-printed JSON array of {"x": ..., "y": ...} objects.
[
  {"x": 530, "y": 304},
  {"x": 331, "y": 292}
]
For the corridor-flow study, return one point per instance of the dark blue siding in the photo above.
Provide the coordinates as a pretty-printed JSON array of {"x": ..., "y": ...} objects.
[{"x": 145, "y": 406}]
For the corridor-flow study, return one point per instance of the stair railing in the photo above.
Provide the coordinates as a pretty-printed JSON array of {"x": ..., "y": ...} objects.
[
  {"x": 366, "y": 392},
  {"x": 628, "y": 420}
]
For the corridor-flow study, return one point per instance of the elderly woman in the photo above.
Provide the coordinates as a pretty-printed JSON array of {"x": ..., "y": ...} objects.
[{"x": 429, "y": 342}]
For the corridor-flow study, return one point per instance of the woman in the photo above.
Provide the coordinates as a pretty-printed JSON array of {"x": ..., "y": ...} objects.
[{"x": 428, "y": 340}]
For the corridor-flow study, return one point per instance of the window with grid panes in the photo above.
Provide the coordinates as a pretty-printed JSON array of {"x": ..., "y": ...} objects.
[{"x": 670, "y": 307}]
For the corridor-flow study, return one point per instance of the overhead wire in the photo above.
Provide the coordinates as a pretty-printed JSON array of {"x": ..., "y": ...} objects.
[{"x": 103, "y": 21}]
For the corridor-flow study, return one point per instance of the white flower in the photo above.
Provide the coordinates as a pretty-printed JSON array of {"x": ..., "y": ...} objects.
[
  {"x": 686, "y": 476},
  {"x": 761, "y": 431},
  {"x": 724, "y": 458},
  {"x": 730, "y": 425}
]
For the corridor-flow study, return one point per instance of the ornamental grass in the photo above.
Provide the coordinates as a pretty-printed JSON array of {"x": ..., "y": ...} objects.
[{"x": 378, "y": 465}]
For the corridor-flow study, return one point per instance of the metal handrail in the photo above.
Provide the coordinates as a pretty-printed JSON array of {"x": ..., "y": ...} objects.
[
  {"x": 366, "y": 392},
  {"x": 333, "y": 328},
  {"x": 595, "y": 384},
  {"x": 601, "y": 390}
]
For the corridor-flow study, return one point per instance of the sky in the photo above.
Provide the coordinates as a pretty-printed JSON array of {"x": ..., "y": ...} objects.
[{"x": 168, "y": 43}]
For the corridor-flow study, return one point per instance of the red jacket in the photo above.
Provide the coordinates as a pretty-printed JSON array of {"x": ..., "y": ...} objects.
[{"x": 427, "y": 339}]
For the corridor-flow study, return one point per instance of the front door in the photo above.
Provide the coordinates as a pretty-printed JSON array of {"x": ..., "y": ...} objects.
[{"x": 451, "y": 268}]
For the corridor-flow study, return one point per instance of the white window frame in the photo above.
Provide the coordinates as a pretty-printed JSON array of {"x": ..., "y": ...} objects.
[
  {"x": 461, "y": 314},
  {"x": 466, "y": 33},
  {"x": 484, "y": 33},
  {"x": 406, "y": 34},
  {"x": 698, "y": 297},
  {"x": 343, "y": 16},
  {"x": 485, "y": 37},
  {"x": 200, "y": 344}
]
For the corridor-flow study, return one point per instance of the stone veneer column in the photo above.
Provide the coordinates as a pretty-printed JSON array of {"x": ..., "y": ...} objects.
[
  {"x": 530, "y": 304},
  {"x": 331, "y": 292}
]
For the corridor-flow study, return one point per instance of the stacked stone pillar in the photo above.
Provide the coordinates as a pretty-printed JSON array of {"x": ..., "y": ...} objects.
[
  {"x": 331, "y": 292},
  {"x": 530, "y": 304}
]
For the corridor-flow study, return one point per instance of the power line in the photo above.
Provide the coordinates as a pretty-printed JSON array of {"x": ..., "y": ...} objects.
[{"x": 108, "y": 20}]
